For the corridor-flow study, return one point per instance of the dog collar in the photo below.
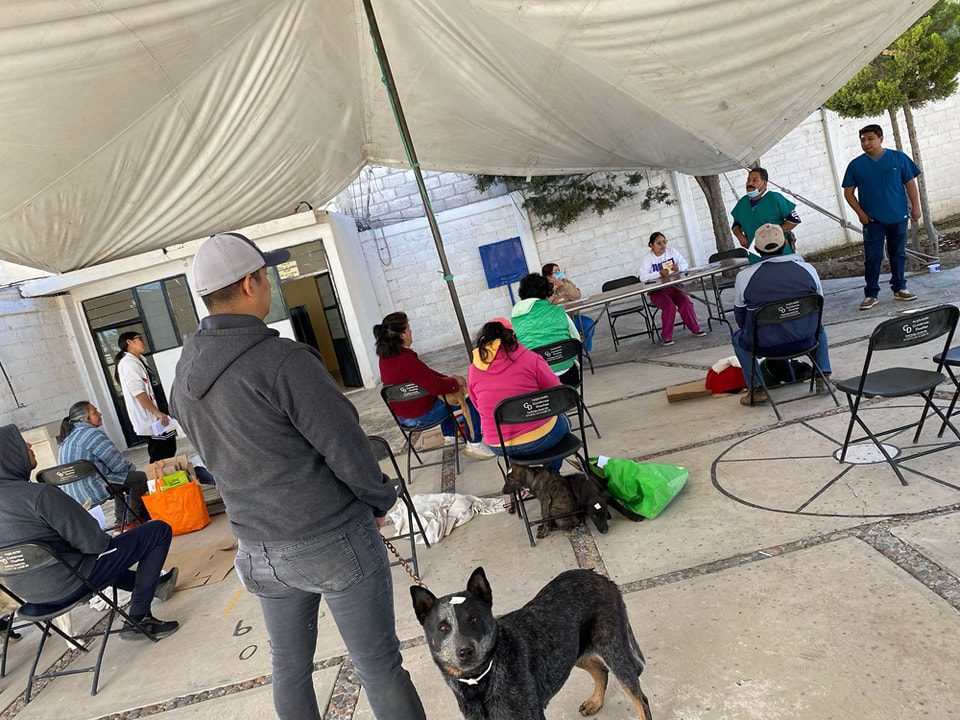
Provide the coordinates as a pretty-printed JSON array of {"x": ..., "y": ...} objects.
[{"x": 476, "y": 680}]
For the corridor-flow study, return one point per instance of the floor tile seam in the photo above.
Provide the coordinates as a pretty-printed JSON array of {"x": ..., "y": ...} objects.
[
  {"x": 861, "y": 531},
  {"x": 674, "y": 364},
  {"x": 915, "y": 562},
  {"x": 345, "y": 694}
]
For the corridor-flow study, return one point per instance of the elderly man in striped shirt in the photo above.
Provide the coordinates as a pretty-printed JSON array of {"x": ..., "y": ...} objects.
[{"x": 82, "y": 438}]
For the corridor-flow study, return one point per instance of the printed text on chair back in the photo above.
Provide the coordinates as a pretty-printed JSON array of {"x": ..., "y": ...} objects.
[
  {"x": 784, "y": 311},
  {"x": 68, "y": 473},
  {"x": 536, "y": 405},
  {"x": 24, "y": 558},
  {"x": 559, "y": 351},
  {"x": 914, "y": 328},
  {"x": 406, "y": 391}
]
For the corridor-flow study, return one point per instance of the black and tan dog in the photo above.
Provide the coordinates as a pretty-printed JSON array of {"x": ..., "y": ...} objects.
[
  {"x": 509, "y": 668},
  {"x": 552, "y": 490}
]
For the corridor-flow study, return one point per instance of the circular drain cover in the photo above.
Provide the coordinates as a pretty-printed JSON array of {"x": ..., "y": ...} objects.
[{"x": 866, "y": 453}]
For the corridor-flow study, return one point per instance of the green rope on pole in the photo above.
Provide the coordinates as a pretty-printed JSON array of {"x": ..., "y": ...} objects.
[{"x": 448, "y": 278}]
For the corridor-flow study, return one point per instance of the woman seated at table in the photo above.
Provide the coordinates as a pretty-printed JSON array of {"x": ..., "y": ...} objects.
[
  {"x": 399, "y": 364},
  {"x": 565, "y": 291},
  {"x": 503, "y": 368},
  {"x": 660, "y": 262},
  {"x": 537, "y": 322}
]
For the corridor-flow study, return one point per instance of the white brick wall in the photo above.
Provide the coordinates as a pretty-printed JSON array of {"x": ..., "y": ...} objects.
[{"x": 38, "y": 352}]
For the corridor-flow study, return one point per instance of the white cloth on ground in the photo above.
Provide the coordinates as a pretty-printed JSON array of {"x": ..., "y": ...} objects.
[{"x": 441, "y": 513}]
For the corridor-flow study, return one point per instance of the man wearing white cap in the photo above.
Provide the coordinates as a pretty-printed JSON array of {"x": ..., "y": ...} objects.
[
  {"x": 776, "y": 276},
  {"x": 302, "y": 488}
]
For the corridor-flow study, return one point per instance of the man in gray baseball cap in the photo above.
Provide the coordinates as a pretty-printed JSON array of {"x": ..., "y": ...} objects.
[{"x": 302, "y": 488}]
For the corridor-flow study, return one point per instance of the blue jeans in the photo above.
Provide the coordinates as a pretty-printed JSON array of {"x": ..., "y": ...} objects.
[
  {"x": 875, "y": 235},
  {"x": 559, "y": 431},
  {"x": 822, "y": 356},
  {"x": 587, "y": 326},
  {"x": 348, "y": 566},
  {"x": 440, "y": 411}
]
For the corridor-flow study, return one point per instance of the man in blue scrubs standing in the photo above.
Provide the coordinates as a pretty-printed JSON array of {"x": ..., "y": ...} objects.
[{"x": 883, "y": 180}]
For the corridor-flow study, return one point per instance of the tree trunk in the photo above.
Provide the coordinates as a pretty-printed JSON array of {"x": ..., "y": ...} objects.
[
  {"x": 898, "y": 139},
  {"x": 710, "y": 185},
  {"x": 932, "y": 236}
]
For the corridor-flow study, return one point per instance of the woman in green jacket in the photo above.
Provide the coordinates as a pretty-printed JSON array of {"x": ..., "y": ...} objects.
[{"x": 537, "y": 322}]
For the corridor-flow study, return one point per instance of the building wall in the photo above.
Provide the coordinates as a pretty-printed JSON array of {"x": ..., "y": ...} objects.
[{"x": 38, "y": 353}]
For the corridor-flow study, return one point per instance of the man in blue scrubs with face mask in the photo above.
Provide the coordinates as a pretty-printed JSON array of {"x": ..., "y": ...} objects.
[{"x": 759, "y": 207}]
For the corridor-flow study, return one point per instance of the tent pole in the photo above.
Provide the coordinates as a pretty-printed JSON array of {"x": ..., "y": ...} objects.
[{"x": 394, "y": 96}]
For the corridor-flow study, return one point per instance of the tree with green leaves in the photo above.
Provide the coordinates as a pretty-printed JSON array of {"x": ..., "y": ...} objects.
[
  {"x": 919, "y": 67},
  {"x": 556, "y": 201}
]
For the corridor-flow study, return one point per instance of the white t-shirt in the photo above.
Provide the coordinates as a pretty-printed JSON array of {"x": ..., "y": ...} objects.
[
  {"x": 134, "y": 380},
  {"x": 650, "y": 264}
]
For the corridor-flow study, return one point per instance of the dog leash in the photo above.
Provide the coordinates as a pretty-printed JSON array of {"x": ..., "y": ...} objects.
[{"x": 403, "y": 563}]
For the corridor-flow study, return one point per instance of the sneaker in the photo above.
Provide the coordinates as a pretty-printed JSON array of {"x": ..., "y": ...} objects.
[
  {"x": 6, "y": 623},
  {"x": 478, "y": 451},
  {"x": 448, "y": 440},
  {"x": 904, "y": 295},
  {"x": 821, "y": 384},
  {"x": 702, "y": 333},
  {"x": 666, "y": 342},
  {"x": 157, "y": 628},
  {"x": 166, "y": 584},
  {"x": 759, "y": 397},
  {"x": 869, "y": 302},
  {"x": 129, "y": 525}
]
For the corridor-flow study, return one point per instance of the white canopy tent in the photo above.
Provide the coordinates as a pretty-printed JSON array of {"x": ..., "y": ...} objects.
[{"x": 132, "y": 125}]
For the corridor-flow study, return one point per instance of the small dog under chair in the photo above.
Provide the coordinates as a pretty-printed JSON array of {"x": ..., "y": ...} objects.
[
  {"x": 509, "y": 668},
  {"x": 564, "y": 499}
]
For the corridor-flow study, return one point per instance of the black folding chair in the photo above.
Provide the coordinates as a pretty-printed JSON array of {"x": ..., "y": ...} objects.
[
  {"x": 720, "y": 283},
  {"x": 613, "y": 315},
  {"x": 79, "y": 470},
  {"x": 949, "y": 361},
  {"x": 907, "y": 330},
  {"x": 569, "y": 350},
  {"x": 541, "y": 405},
  {"x": 412, "y": 391},
  {"x": 381, "y": 449},
  {"x": 29, "y": 557},
  {"x": 779, "y": 313}
]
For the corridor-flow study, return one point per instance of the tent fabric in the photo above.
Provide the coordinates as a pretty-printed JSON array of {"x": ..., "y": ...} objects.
[{"x": 132, "y": 125}]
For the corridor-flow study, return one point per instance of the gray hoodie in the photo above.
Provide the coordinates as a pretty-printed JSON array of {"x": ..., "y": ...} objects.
[
  {"x": 31, "y": 512},
  {"x": 285, "y": 445}
]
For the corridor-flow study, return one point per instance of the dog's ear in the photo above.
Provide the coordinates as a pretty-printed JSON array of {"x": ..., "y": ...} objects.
[
  {"x": 479, "y": 587},
  {"x": 423, "y": 601}
]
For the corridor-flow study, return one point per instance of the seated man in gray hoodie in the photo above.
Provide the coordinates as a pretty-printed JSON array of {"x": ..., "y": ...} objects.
[{"x": 34, "y": 512}]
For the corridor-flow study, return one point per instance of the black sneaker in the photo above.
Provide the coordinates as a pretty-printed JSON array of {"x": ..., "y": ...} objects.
[
  {"x": 157, "y": 628},
  {"x": 166, "y": 584}
]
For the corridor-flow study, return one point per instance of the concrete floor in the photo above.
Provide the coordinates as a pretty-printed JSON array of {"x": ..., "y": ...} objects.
[{"x": 779, "y": 584}]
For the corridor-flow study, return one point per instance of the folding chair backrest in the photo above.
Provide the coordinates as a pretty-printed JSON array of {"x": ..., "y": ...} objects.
[
  {"x": 740, "y": 252},
  {"x": 619, "y": 283},
  {"x": 18, "y": 559},
  {"x": 915, "y": 328},
  {"x": 558, "y": 352},
  {"x": 382, "y": 451},
  {"x": 537, "y": 405},
  {"x": 69, "y": 473},
  {"x": 400, "y": 393},
  {"x": 784, "y": 311}
]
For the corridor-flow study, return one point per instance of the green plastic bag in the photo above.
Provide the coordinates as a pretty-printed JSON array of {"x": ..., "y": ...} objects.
[{"x": 644, "y": 488}]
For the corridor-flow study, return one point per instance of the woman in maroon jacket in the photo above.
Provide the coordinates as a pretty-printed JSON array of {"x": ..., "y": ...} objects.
[{"x": 399, "y": 364}]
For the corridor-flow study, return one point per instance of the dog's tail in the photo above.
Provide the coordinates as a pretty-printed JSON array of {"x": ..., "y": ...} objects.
[{"x": 638, "y": 658}]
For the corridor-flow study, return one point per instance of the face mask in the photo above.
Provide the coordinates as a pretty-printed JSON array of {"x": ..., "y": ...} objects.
[
  {"x": 558, "y": 275},
  {"x": 752, "y": 193}
]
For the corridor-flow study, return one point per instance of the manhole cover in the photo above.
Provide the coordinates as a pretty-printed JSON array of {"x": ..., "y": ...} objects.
[{"x": 866, "y": 453}]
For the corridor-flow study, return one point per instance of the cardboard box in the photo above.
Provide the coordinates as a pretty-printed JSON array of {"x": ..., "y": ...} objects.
[
  {"x": 170, "y": 466},
  {"x": 687, "y": 391}
]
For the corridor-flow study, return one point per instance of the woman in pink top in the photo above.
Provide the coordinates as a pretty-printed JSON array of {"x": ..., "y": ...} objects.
[{"x": 503, "y": 368}]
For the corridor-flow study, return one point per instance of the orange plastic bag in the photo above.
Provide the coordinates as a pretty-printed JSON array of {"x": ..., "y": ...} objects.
[{"x": 181, "y": 507}]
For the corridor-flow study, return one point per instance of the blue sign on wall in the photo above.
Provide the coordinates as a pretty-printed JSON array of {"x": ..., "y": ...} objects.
[{"x": 503, "y": 262}]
